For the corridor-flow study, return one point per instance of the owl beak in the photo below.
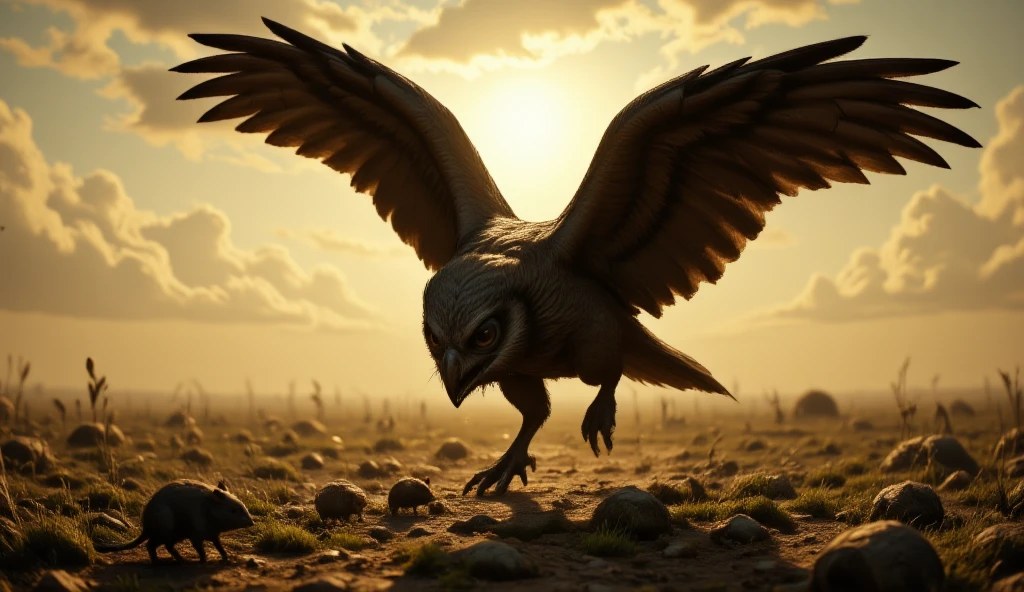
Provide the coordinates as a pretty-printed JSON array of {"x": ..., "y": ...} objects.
[{"x": 451, "y": 374}]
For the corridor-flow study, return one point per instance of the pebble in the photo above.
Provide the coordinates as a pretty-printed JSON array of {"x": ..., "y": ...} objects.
[{"x": 680, "y": 550}]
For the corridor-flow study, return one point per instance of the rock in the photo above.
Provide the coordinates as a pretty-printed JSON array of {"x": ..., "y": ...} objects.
[
  {"x": 639, "y": 512},
  {"x": 961, "y": 408},
  {"x": 409, "y": 493},
  {"x": 418, "y": 532},
  {"x": 478, "y": 523},
  {"x": 91, "y": 435},
  {"x": 815, "y": 403},
  {"x": 391, "y": 466},
  {"x": 243, "y": 436},
  {"x": 388, "y": 445},
  {"x": 369, "y": 469},
  {"x": 424, "y": 471},
  {"x": 197, "y": 456},
  {"x": 179, "y": 419},
  {"x": 739, "y": 529},
  {"x": 880, "y": 556},
  {"x": 147, "y": 444},
  {"x": 381, "y": 534},
  {"x": 27, "y": 455},
  {"x": 1001, "y": 543},
  {"x": 912, "y": 503},
  {"x": 332, "y": 452},
  {"x": 727, "y": 469},
  {"x": 957, "y": 481},
  {"x": 331, "y": 583},
  {"x": 496, "y": 561},
  {"x": 862, "y": 425},
  {"x": 755, "y": 445},
  {"x": 130, "y": 484},
  {"x": 330, "y": 556},
  {"x": 194, "y": 436},
  {"x": 947, "y": 451},
  {"x": 779, "y": 487},
  {"x": 339, "y": 500},
  {"x": 101, "y": 519},
  {"x": 58, "y": 580},
  {"x": 312, "y": 461},
  {"x": 1015, "y": 467},
  {"x": 902, "y": 458},
  {"x": 691, "y": 489},
  {"x": 437, "y": 508},
  {"x": 530, "y": 526},
  {"x": 680, "y": 551},
  {"x": 666, "y": 494},
  {"x": 452, "y": 449},
  {"x": 307, "y": 428},
  {"x": 255, "y": 563},
  {"x": 1010, "y": 444}
]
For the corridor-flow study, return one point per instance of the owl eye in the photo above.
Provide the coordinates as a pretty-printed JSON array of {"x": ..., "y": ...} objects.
[{"x": 486, "y": 335}]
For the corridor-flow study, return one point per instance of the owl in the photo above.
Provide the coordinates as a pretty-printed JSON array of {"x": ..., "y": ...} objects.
[{"x": 680, "y": 183}]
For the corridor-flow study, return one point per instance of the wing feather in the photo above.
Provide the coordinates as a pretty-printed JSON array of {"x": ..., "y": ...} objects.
[
  {"x": 685, "y": 173},
  {"x": 362, "y": 119}
]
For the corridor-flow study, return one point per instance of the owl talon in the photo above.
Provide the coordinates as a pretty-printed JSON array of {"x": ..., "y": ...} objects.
[
  {"x": 600, "y": 419},
  {"x": 501, "y": 474}
]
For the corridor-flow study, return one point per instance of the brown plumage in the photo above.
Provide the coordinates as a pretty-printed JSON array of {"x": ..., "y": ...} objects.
[{"x": 681, "y": 181}]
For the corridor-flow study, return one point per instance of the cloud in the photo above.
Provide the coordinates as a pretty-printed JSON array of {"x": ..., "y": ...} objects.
[
  {"x": 328, "y": 240},
  {"x": 78, "y": 246},
  {"x": 774, "y": 238},
  {"x": 476, "y": 35},
  {"x": 945, "y": 254}
]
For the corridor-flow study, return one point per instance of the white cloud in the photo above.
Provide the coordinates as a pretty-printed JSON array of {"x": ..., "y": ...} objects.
[
  {"x": 78, "y": 246},
  {"x": 329, "y": 240},
  {"x": 945, "y": 254}
]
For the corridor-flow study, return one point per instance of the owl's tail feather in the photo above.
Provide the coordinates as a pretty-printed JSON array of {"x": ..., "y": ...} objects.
[{"x": 648, "y": 360}]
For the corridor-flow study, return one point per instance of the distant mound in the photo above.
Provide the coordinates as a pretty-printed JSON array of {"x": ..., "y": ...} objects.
[{"x": 816, "y": 403}]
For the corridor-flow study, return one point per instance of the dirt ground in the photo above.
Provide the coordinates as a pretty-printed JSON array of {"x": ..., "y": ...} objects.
[{"x": 568, "y": 481}]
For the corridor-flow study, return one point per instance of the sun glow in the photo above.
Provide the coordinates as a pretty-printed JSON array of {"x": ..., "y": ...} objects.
[{"x": 520, "y": 128}]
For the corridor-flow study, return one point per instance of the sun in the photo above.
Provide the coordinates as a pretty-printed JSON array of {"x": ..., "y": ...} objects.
[{"x": 519, "y": 127}]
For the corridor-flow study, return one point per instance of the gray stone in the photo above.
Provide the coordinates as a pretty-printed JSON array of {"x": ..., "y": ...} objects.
[
  {"x": 27, "y": 455},
  {"x": 957, "y": 481},
  {"x": 452, "y": 449},
  {"x": 307, "y": 428},
  {"x": 903, "y": 457},
  {"x": 418, "y": 532},
  {"x": 312, "y": 461},
  {"x": 739, "y": 529},
  {"x": 880, "y": 556},
  {"x": 494, "y": 560},
  {"x": 680, "y": 550},
  {"x": 912, "y": 503},
  {"x": 637, "y": 512},
  {"x": 369, "y": 469},
  {"x": 948, "y": 452},
  {"x": 58, "y": 580},
  {"x": 381, "y": 534}
]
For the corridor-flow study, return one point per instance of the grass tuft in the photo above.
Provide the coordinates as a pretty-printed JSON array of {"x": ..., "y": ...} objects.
[
  {"x": 760, "y": 508},
  {"x": 817, "y": 502},
  {"x": 345, "y": 540},
  {"x": 427, "y": 559},
  {"x": 608, "y": 542},
  {"x": 827, "y": 476},
  {"x": 51, "y": 540},
  {"x": 269, "y": 468},
  {"x": 757, "y": 484},
  {"x": 274, "y": 537}
]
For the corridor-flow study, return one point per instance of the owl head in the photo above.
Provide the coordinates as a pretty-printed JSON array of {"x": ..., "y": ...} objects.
[{"x": 474, "y": 322}]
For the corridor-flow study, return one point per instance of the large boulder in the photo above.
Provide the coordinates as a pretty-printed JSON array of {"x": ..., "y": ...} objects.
[
  {"x": 948, "y": 452},
  {"x": 904, "y": 456},
  {"x": 494, "y": 560},
  {"x": 635, "y": 511},
  {"x": 912, "y": 503},
  {"x": 881, "y": 557},
  {"x": 91, "y": 435},
  {"x": 816, "y": 403},
  {"x": 27, "y": 455}
]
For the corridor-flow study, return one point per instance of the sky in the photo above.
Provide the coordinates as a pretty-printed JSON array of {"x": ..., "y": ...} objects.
[{"x": 168, "y": 250}]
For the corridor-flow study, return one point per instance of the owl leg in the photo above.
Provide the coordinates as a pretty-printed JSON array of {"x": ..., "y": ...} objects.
[
  {"x": 528, "y": 395},
  {"x": 600, "y": 418}
]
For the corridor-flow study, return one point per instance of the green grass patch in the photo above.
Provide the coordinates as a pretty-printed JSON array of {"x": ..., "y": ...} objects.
[
  {"x": 345, "y": 540},
  {"x": 427, "y": 559},
  {"x": 256, "y": 504},
  {"x": 826, "y": 476},
  {"x": 760, "y": 508},
  {"x": 269, "y": 468},
  {"x": 817, "y": 502},
  {"x": 52, "y": 540},
  {"x": 274, "y": 537},
  {"x": 751, "y": 486},
  {"x": 608, "y": 542},
  {"x": 61, "y": 502}
]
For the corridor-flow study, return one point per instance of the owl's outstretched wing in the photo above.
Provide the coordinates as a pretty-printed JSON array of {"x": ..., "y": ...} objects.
[
  {"x": 359, "y": 117},
  {"x": 684, "y": 175}
]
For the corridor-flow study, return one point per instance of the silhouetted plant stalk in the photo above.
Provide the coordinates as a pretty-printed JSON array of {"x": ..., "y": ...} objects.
[
  {"x": 318, "y": 400},
  {"x": 96, "y": 386},
  {"x": 776, "y": 404},
  {"x": 1013, "y": 395},
  {"x": 78, "y": 410},
  {"x": 62, "y": 411},
  {"x": 251, "y": 395},
  {"x": 906, "y": 408}
]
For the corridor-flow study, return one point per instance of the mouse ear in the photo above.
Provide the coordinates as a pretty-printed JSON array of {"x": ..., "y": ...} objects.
[
  {"x": 221, "y": 486},
  {"x": 219, "y": 494},
  {"x": 427, "y": 480}
]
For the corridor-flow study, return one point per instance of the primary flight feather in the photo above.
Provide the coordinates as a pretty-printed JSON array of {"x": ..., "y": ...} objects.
[{"x": 680, "y": 182}]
